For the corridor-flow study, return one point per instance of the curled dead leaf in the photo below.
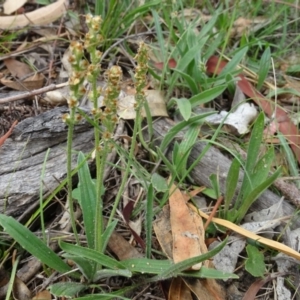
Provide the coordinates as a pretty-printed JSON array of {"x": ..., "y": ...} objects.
[
  {"x": 10, "y": 6},
  {"x": 17, "y": 68},
  {"x": 41, "y": 16},
  {"x": 33, "y": 82},
  {"x": 156, "y": 103}
]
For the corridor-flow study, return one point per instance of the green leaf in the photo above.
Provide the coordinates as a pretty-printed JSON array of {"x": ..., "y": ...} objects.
[
  {"x": 209, "y": 273},
  {"x": 102, "y": 296},
  {"x": 178, "y": 127},
  {"x": 255, "y": 193},
  {"x": 211, "y": 193},
  {"x": 88, "y": 200},
  {"x": 262, "y": 168},
  {"x": 91, "y": 254},
  {"x": 166, "y": 268},
  {"x": 33, "y": 244},
  {"x": 189, "y": 80},
  {"x": 292, "y": 162},
  {"x": 86, "y": 267},
  {"x": 255, "y": 143},
  {"x": 185, "y": 148},
  {"x": 159, "y": 183},
  {"x": 175, "y": 269},
  {"x": 10, "y": 284},
  {"x": 255, "y": 263},
  {"x": 66, "y": 289},
  {"x": 293, "y": 69},
  {"x": 165, "y": 160},
  {"x": 106, "y": 273},
  {"x": 149, "y": 219},
  {"x": 207, "y": 28},
  {"x": 187, "y": 58},
  {"x": 159, "y": 35},
  {"x": 43, "y": 2},
  {"x": 234, "y": 61},
  {"x": 107, "y": 233},
  {"x": 264, "y": 66},
  {"x": 213, "y": 178},
  {"x": 231, "y": 183},
  {"x": 207, "y": 95},
  {"x": 252, "y": 158},
  {"x": 184, "y": 107}
]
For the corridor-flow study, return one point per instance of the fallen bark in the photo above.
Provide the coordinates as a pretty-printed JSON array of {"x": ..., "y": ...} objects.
[
  {"x": 214, "y": 162},
  {"x": 22, "y": 158}
]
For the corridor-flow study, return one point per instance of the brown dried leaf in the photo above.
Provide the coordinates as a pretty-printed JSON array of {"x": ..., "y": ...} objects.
[
  {"x": 120, "y": 247},
  {"x": 187, "y": 229},
  {"x": 43, "y": 295},
  {"x": 288, "y": 97},
  {"x": 156, "y": 103},
  {"x": 257, "y": 285},
  {"x": 245, "y": 26},
  {"x": 20, "y": 290},
  {"x": 17, "y": 68},
  {"x": 162, "y": 229},
  {"x": 178, "y": 290},
  {"x": 4, "y": 280},
  {"x": 33, "y": 82},
  {"x": 206, "y": 289}
]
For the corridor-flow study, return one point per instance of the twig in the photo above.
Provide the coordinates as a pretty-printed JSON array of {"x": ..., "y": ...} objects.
[
  {"x": 211, "y": 216},
  {"x": 8, "y": 133},
  {"x": 48, "y": 88}
]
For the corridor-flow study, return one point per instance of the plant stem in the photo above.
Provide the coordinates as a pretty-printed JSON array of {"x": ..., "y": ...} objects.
[
  {"x": 129, "y": 164},
  {"x": 100, "y": 165},
  {"x": 69, "y": 172}
]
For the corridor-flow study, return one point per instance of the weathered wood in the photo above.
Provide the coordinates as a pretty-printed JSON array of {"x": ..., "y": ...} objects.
[
  {"x": 214, "y": 162},
  {"x": 22, "y": 157}
]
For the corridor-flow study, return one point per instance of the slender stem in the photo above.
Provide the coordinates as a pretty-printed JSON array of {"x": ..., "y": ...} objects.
[
  {"x": 100, "y": 164},
  {"x": 69, "y": 172},
  {"x": 129, "y": 163}
]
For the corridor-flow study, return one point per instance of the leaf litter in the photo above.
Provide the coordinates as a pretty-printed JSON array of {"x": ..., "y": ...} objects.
[{"x": 179, "y": 286}]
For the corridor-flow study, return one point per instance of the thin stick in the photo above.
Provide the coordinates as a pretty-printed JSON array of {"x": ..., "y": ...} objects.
[
  {"x": 211, "y": 216},
  {"x": 8, "y": 133},
  {"x": 48, "y": 88}
]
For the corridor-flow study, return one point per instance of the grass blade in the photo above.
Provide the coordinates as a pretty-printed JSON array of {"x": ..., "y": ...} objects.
[
  {"x": 66, "y": 289},
  {"x": 189, "y": 80},
  {"x": 234, "y": 61},
  {"x": 33, "y": 244},
  {"x": 107, "y": 233},
  {"x": 188, "y": 57},
  {"x": 88, "y": 200},
  {"x": 178, "y": 127},
  {"x": 255, "y": 143},
  {"x": 264, "y": 67},
  {"x": 175, "y": 269},
  {"x": 214, "y": 181},
  {"x": 207, "y": 95},
  {"x": 293, "y": 165},
  {"x": 185, "y": 148},
  {"x": 255, "y": 193},
  {"x": 231, "y": 183},
  {"x": 149, "y": 220},
  {"x": 91, "y": 254}
]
